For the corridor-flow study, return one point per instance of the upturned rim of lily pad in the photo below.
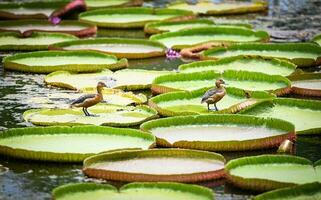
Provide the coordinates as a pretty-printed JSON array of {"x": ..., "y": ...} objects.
[
  {"x": 128, "y": 55},
  {"x": 181, "y": 15},
  {"x": 308, "y": 189},
  {"x": 32, "y": 4},
  {"x": 158, "y": 88},
  {"x": 305, "y": 91},
  {"x": 10, "y": 64},
  {"x": 300, "y": 103},
  {"x": 142, "y": 177},
  {"x": 56, "y": 130},
  {"x": 84, "y": 187},
  {"x": 283, "y": 63},
  {"x": 256, "y": 97},
  {"x": 33, "y": 47},
  {"x": 129, "y": 3},
  {"x": 255, "y": 7},
  {"x": 316, "y": 37},
  {"x": 300, "y": 62},
  {"x": 227, "y": 119},
  {"x": 88, "y": 29},
  {"x": 257, "y": 183},
  {"x": 263, "y": 36},
  {"x": 153, "y": 115}
]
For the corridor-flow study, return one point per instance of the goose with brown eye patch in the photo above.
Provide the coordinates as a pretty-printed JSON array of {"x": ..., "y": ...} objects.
[
  {"x": 89, "y": 100},
  {"x": 214, "y": 95}
]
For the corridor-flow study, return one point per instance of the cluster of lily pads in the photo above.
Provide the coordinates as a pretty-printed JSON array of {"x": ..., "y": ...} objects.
[{"x": 253, "y": 115}]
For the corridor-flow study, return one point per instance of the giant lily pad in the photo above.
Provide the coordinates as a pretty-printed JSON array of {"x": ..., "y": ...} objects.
[
  {"x": 317, "y": 39},
  {"x": 189, "y": 103},
  {"x": 210, "y": 8},
  {"x": 309, "y": 191},
  {"x": 36, "y": 41},
  {"x": 69, "y": 144},
  {"x": 269, "y": 66},
  {"x": 109, "y": 115},
  {"x": 124, "y": 79},
  {"x": 304, "y": 114},
  {"x": 50, "y": 61},
  {"x": 143, "y": 191},
  {"x": 170, "y": 26},
  {"x": 94, "y": 4},
  {"x": 249, "y": 81},
  {"x": 219, "y": 132},
  {"x": 131, "y": 17},
  {"x": 301, "y": 54},
  {"x": 156, "y": 165},
  {"x": 308, "y": 84},
  {"x": 29, "y": 9},
  {"x": 185, "y": 38},
  {"x": 267, "y": 172},
  {"x": 122, "y": 48},
  {"x": 26, "y": 27}
]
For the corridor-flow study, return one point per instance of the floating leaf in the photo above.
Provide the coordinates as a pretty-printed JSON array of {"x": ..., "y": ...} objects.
[
  {"x": 307, "y": 84},
  {"x": 69, "y": 144},
  {"x": 269, "y": 66},
  {"x": 249, "y": 81},
  {"x": 108, "y": 115},
  {"x": 317, "y": 39},
  {"x": 301, "y": 54},
  {"x": 179, "y": 165},
  {"x": 210, "y": 8},
  {"x": 189, "y": 103},
  {"x": 50, "y": 61},
  {"x": 122, "y": 48},
  {"x": 132, "y": 17},
  {"x": 10, "y": 41},
  {"x": 128, "y": 79},
  {"x": 95, "y": 4},
  {"x": 268, "y": 172},
  {"x": 156, "y": 191},
  {"x": 304, "y": 114},
  {"x": 190, "y": 37}
]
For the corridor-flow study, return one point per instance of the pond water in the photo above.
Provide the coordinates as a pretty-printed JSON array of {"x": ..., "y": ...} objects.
[{"x": 287, "y": 20}]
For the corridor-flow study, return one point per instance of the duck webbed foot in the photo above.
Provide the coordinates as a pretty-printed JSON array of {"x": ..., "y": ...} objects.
[{"x": 88, "y": 114}]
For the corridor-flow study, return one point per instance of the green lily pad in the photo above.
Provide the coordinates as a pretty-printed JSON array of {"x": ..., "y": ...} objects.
[
  {"x": 142, "y": 191},
  {"x": 26, "y": 27},
  {"x": 170, "y": 26},
  {"x": 29, "y": 9},
  {"x": 268, "y": 172},
  {"x": 50, "y": 61},
  {"x": 175, "y": 165},
  {"x": 94, "y": 4},
  {"x": 307, "y": 84},
  {"x": 131, "y": 17},
  {"x": 106, "y": 114},
  {"x": 301, "y": 54},
  {"x": 317, "y": 39},
  {"x": 111, "y": 96},
  {"x": 249, "y": 81},
  {"x": 227, "y": 132},
  {"x": 122, "y": 48},
  {"x": 269, "y": 66},
  {"x": 309, "y": 191},
  {"x": 69, "y": 144},
  {"x": 186, "y": 38},
  {"x": 318, "y": 169},
  {"x": 210, "y": 8},
  {"x": 189, "y": 103},
  {"x": 304, "y": 114},
  {"x": 124, "y": 79},
  {"x": 36, "y": 41}
]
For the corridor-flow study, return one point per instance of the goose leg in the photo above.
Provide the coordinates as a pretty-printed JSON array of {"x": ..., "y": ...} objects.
[
  {"x": 85, "y": 111},
  {"x": 215, "y": 107},
  {"x": 208, "y": 106}
]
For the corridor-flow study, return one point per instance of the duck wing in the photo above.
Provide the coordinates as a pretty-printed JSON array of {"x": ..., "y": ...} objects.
[
  {"x": 82, "y": 98},
  {"x": 209, "y": 93}
]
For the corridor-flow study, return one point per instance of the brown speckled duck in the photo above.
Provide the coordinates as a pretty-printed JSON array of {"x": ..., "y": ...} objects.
[
  {"x": 88, "y": 100},
  {"x": 214, "y": 95}
]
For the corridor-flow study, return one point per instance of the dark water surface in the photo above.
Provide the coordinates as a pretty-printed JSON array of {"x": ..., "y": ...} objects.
[{"x": 286, "y": 20}]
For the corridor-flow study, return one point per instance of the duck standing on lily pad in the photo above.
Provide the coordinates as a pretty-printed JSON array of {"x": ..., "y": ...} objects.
[{"x": 214, "y": 95}]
